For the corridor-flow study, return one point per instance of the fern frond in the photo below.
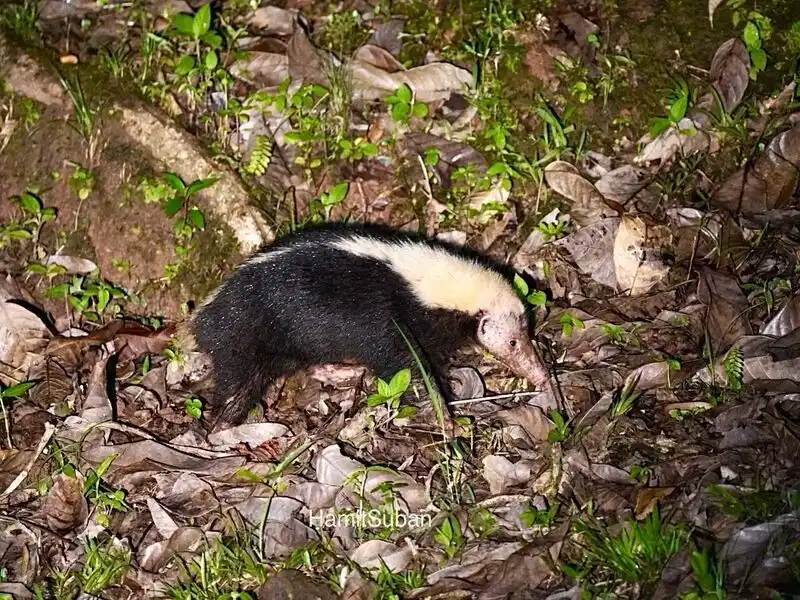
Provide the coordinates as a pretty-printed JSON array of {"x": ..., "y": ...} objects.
[
  {"x": 733, "y": 364},
  {"x": 260, "y": 156}
]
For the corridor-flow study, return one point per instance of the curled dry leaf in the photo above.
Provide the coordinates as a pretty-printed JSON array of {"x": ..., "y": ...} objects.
[
  {"x": 97, "y": 407},
  {"x": 375, "y": 74},
  {"x": 626, "y": 184},
  {"x": 23, "y": 337},
  {"x": 162, "y": 520},
  {"x": 467, "y": 383},
  {"x": 333, "y": 468},
  {"x": 786, "y": 321},
  {"x": 587, "y": 204},
  {"x": 73, "y": 264},
  {"x": 530, "y": 420},
  {"x": 730, "y": 72},
  {"x": 19, "y": 549},
  {"x": 262, "y": 69},
  {"x": 387, "y": 35},
  {"x": 371, "y": 553},
  {"x": 768, "y": 182},
  {"x": 252, "y": 434},
  {"x": 54, "y": 383},
  {"x": 502, "y": 474},
  {"x": 592, "y": 249},
  {"x": 684, "y": 140},
  {"x": 304, "y": 60},
  {"x": 271, "y": 20},
  {"x": 65, "y": 507},
  {"x": 637, "y": 261},
  {"x": 726, "y": 309}
]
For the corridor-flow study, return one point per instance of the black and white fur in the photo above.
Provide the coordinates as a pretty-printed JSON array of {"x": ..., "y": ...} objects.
[{"x": 334, "y": 294}]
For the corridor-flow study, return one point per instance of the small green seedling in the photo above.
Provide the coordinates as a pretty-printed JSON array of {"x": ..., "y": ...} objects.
[
  {"x": 431, "y": 156},
  {"x": 34, "y": 216},
  {"x": 197, "y": 27},
  {"x": 402, "y": 105},
  {"x": 105, "y": 498},
  {"x": 448, "y": 535},
  {"x": 733, "y": 365},
  {"x": 552, "y": 230},
  {"x": 570, "y": 323},
  {"x": 560, "y": 431},
  {"x": 81, "y": 181},
  {"x": 482, "y": 522},
  {"x": 90, "y": 296},
  {"x": 389, "y": 393},
  {"x": 536, "y": 298},
  {"x": 709, "y": 577},
  {"x": 677, "y": 104},
  {"x": 194, "y": 407},
  {"x": 625, "y": 399},
  {"x": 639, "y": 474},
  {"x": 327, "y": 200},
  {"x": 755, "y": 33},
  {"x": 192, "y": 218},
  {"x": 354, "y": 150},
  {"x": 534, "y": 517}
]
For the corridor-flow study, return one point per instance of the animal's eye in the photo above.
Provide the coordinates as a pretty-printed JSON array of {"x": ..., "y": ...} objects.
[{"x": 513, "y": 343}]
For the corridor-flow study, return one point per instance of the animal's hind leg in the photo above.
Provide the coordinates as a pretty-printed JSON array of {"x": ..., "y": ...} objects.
[{"x": 238, "y": 393}]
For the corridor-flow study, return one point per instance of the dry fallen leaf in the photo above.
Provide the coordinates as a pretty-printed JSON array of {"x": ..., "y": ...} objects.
[
  {"x": 592, "y": 250},
  {"x": 587, "y": 204},
  {"x": 730, "y": 72},
  {"x": 23, "y": 337},
  {"x": 637, "y": 262},
  {"x": 502, "y": 474},
  {"x": 65, "y": 506},
  {"x": 766, "y": 183},
  {"x": 628, "y": 184},
  {"x": 726, "y": 309},
  {"x": 271, "y": 20},
  {"x": 263, "y": 69}
]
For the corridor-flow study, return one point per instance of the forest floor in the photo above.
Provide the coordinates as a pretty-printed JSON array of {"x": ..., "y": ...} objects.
[{"x": 635, "y": 161}]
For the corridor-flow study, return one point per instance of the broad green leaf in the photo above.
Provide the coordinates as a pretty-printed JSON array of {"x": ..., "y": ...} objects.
[
  {"x": 497, "y": 169},
  {"x": 210, "y": 61},
  {"x": 201, "y": 184},
  {"x": 400, "y": 381},
  {"x": 20, "y": 234},
  {"x": 375, "y": 400},
  {"x": 400, "y": 112},
  {"x": 538, "y": 298},
  {"x": 759, "y": 58},
  {"x": 521, "y": 285},
  {"x": 36, "y": 269},
  {"x": 420, "y": 110},
  {"x": 406, "y": 411},
  {"x": 196, "y": 218},
  {"x": 15, "y": 391},
  {"x": 183, "y": 23},
  {"x": 185, "y": 65},
  {"x": 369, "y": 149},
  {"x": 173, "y": 205},
  {"x": 103, "y": 297},
  {"x": 752, "y": 38},
  {"x": 338, "y": 192},
  {"x": 202, "y": 21},
  {"x": 58, "y": 291},
  {"x": 175, "y": 182},
  {"x": 678, "y": 109},
  {"x": 384, "y": 389},
  {"x": 404, "y": 93},
  {"x": 212, "y": 39},
  {"x": 30, "y": 203}
]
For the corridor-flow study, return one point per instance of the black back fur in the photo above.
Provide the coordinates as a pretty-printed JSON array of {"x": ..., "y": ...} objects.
[{"x": 319, "y": 305}]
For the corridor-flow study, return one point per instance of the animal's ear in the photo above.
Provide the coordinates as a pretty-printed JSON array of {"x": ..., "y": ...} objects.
[{"x": 483, "y": 321}]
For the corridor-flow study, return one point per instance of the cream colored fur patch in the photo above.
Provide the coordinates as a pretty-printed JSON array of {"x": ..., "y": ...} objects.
[{"x": 439, "y": 279}]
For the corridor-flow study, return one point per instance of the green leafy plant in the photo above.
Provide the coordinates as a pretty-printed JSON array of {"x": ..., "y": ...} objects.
[
  {"x": 448, "y": 535},
  {"x": 709, "y": 577},
  {"x": 553, "y": 229},
  {"x": 733, "y": 365},
  {"x": 756, "y": 31},
  {"x": 677, "y": 104},
  {"x": 81, "y": 181},
  {"x": 105, "y": 498},
  {"x": 194, "y": 407},
  {"x": 34, "y": 216},
  {"x": 22, "y": 19},
  {"x": 765, "y": 292},
  {"x": 624, "y": 399},
  {"x": 357, "y": 149},
  {"x": 637, "y": 553},
  {"x": 260, "y": 156},
  {"x": 560, "y": 430},
  {"x": 321, "y": 207},
  {"x": 90, "y": 296},
  {"x": 640, "y": 473},
  {"x": 570, "y": 323},
  {"x": 535, "y": 298},
  {"x": 402, "y": 105},
  {"x": 389, "y": 393},
  {"x": 536, "y": 517},
  {"x": 104, "y": 565},
  {"x": 482, "y": 522}
]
